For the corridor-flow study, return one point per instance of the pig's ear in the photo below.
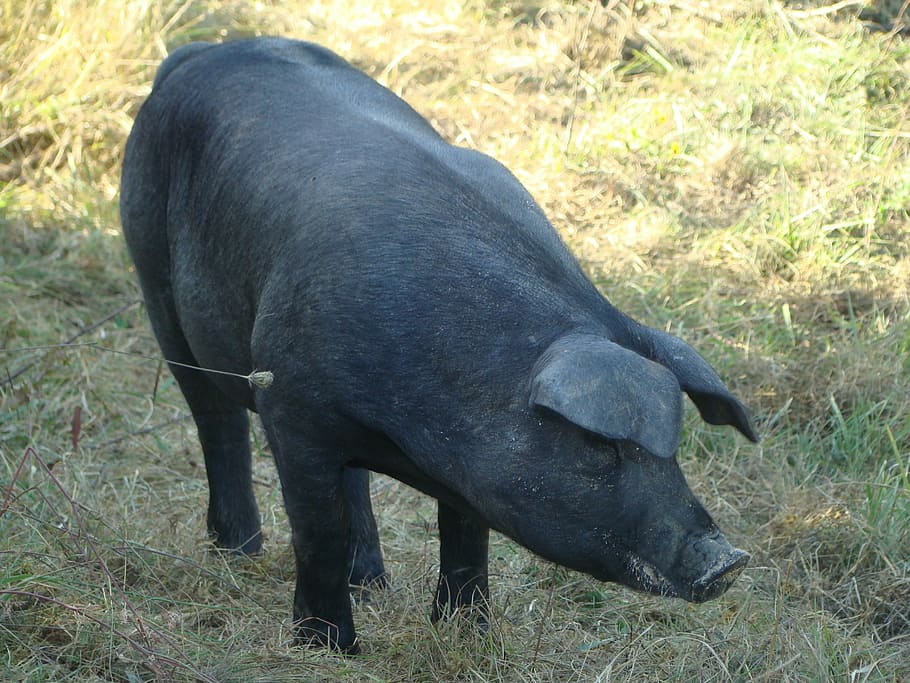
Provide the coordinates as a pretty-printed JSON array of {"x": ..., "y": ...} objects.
[
  {"x": 698, "y": 379},
  {"x": 611, "y": 391}
]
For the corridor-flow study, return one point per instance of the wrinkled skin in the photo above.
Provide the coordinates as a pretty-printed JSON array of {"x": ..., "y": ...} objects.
[{"x": 421, "y": 318}]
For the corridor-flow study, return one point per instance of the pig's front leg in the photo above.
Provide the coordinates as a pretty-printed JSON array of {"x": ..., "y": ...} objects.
[
  {"x": 463, "y": 554},
  {"x": 312, "y": 483},
  {"x": 367, "y": 567}
]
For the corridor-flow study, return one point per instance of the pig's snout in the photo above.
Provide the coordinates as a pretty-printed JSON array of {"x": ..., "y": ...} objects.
[
  {"x": 723, "y": 564},
  {"x": 708, "y": 568}
]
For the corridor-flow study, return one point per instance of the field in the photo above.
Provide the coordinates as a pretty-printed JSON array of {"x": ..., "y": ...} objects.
[{"x": 737, "y": 173}]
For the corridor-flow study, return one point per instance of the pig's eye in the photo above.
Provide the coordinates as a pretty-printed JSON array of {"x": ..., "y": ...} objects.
[{"x": 604, "y": 451}]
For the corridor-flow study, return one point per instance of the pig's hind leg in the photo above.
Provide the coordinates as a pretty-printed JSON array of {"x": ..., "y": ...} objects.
[
  {"x": 313, "y": 486},
  {"x": 223, "y": 427}
]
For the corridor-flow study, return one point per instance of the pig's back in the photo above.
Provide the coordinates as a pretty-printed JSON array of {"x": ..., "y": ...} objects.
[
  {"x": 286, "y": 129},
  {"x": 303, "y": 194}
]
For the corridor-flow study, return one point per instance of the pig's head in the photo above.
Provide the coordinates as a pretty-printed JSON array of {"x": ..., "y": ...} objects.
[{"x": 609, "y": 498}]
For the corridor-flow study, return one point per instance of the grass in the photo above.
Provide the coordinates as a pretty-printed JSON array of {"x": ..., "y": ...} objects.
[{"x": 736, "y": 173}]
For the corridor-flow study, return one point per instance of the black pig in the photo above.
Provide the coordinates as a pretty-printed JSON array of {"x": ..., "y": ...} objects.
[{"x": 421, "y": 318}]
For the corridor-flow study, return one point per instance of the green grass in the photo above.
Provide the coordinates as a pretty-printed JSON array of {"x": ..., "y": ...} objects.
[{"x": 736, "y": 174}]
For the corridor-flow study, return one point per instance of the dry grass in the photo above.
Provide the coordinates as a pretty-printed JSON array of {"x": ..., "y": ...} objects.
[{"x": 734, "y": 172}]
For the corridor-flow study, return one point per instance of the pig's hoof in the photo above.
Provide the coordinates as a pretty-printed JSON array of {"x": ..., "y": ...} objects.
[
  {"x": 468, "y": 598},
  {"x": 235, "y": 529},
  {"x": 477, "y": 616},
  {"x": 316, "y": 633},
  {"x": 362, "y": 592},
  {"x": 471, "y": 607},
  {"x": 368, "y": 580},
  {"x": 368, "y": 570},
  {"x": 239, "y": 543}
]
